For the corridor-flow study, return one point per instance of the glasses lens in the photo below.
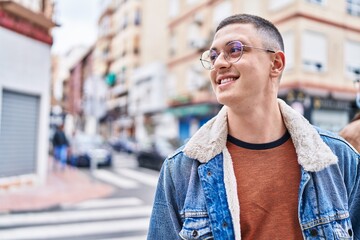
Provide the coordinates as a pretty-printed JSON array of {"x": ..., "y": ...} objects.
[
  {"x": 233, "y": 51},
  {"x": 205, "y": 60}
]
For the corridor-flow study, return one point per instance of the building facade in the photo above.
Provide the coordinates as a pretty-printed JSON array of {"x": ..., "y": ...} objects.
[
  {"x": 136, "y": 48},
  {"x": 117, "y": 55},
  {"x": 322, "y": 45},
  {"x": 25, "y": 66}
]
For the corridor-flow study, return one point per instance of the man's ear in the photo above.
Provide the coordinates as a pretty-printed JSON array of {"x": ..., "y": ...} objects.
[{"x": 278, "y": 64}]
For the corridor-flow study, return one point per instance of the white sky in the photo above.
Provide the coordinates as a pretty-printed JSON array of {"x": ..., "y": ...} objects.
[{"x": 78, "y": 24}]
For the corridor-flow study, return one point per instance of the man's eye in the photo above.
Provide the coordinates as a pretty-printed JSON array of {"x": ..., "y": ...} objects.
[
  {"x": 213, "y": 56},
  {"x": 235, "y": 50}
]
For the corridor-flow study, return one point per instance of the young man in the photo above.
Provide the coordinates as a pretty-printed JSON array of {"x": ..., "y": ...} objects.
[{"x": 257, "y": 170}]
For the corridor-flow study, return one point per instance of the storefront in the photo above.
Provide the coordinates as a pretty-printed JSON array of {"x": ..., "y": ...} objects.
[
  {"x": 192, "y": 117},
  {"x": 326, "y": 112}
]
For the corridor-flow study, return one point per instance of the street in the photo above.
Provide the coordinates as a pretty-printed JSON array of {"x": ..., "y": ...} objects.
[{"x": 123, "y": 216}]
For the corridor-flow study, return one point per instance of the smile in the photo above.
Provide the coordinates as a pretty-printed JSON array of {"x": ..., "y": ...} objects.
[{"x": 226, "y": 80}]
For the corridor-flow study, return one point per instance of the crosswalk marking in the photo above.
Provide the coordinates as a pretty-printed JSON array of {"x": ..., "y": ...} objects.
[
  {"x": 143, "y": 237},
  {"x": 74, "y": 230},
  {"x": 125, "y": 160},
  {"x": 103, "y": 203},
  {"x": 144, "y": 178},
  {"x": 67, "y": 216},
  {"x": 111, "y": 218},
  {"x": 114, "y": 179}
]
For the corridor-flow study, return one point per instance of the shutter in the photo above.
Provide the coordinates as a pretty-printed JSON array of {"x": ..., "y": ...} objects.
[{"x": 18, "y": 133}]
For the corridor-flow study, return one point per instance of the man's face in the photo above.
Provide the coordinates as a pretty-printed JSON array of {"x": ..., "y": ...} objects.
[{"x": 246, "y": 81}]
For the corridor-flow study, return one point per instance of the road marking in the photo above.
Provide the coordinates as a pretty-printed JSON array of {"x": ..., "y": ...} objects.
[
  {"x": 114, "y": 179},
  {"x": 75, "y": 230},
  {"x": 66, "y": 216},
  {"x": 104, "y": 203},
  {"x": 143, "y": 237},
  {"x": 142, "y": 177}
]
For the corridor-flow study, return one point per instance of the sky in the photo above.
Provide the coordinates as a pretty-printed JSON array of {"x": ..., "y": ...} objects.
[{"x": 78, "y": 24}]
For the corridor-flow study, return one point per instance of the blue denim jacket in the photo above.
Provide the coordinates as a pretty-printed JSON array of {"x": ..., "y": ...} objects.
[{"x": 196, "y": 197}]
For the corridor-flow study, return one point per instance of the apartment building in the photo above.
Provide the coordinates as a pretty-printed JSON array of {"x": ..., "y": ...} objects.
[
  {"x": 25, "y": 66},
  {"x": 322, "y": 40},
  {"x": 116, "y": 56},
  {"x": 149, "y": 57}
]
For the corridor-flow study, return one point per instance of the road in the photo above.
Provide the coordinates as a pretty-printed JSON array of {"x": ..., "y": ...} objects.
[{"x": 123, "y": 216}]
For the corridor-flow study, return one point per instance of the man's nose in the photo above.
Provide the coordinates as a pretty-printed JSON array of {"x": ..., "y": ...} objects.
[{"x": 221, "y": 61}]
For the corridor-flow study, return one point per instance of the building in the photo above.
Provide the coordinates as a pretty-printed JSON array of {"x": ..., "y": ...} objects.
[
  {"x": 322, "y": 40},
  {"x": 25, "y": 66},
  {"x": 322, "y": 45}
]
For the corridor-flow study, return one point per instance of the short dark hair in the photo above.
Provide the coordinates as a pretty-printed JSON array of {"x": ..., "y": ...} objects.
[{"x": 273, "y": 38}]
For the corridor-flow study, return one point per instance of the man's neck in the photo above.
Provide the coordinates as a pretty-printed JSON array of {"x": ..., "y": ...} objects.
[{"x": 256, "y": 124}]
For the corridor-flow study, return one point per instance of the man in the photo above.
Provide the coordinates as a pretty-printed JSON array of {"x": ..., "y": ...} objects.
[
  {"x": 60, "y": 145},
  {"x": 351, "y": 132},
  {"x": 257, "y": 170}
]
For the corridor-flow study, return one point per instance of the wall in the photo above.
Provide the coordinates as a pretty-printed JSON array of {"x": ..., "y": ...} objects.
[{"x": 25, "y": 66}]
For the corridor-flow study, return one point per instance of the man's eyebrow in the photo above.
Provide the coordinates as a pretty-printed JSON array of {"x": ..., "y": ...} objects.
[
  {"x": 215, "y": 48},
  {"x": 243, "y": 42}
]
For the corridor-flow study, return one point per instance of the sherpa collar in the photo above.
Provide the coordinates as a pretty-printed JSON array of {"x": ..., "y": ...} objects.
[{"x": 313, "y": 154}]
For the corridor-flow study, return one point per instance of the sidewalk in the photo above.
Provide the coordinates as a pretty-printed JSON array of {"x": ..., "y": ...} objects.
[{"x": 61, "y": 187}]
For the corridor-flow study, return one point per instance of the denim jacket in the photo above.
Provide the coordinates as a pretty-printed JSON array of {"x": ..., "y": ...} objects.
[{"x": 196, "y": 196}]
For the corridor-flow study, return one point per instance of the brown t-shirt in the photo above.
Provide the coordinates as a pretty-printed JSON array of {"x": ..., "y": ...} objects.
[{"x": 268, "y": 178}]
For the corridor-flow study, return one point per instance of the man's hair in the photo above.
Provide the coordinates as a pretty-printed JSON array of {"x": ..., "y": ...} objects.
[{"x": 272, "y": 37}]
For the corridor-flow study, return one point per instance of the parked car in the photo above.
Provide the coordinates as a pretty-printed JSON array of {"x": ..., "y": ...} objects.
[
  {"x": 152, "y": 155},
  {"x": 86, "y": 148},
  {"x": 123, "y": 144}
]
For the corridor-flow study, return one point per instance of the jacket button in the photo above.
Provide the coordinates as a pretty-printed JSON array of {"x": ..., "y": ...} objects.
[
  {"x": 195, "y": 233},
  {"x": 209, "y": 173},
  {"x": 224, "y": 224},
  {"x": 313, "y": 232},
  {"x": 350, "y": 232}
]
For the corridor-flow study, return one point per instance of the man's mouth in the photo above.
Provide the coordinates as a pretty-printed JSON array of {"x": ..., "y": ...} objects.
[{"x": 226, "y": 80}]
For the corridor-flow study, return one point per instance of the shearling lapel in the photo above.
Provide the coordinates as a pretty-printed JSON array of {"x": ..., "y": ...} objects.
[
  {"x": 210, "y": 139},
  {"x": 313, "y": 154}
]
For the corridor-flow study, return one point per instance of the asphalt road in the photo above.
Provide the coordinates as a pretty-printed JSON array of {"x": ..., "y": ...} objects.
[{"x": 122, "y": 216}]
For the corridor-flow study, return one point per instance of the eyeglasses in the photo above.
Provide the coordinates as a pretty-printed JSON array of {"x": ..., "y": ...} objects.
[{"x": 232, "y": 53}]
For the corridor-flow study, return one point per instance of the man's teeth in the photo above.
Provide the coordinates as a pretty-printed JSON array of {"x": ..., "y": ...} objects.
[{"x": 226, "y": 80}]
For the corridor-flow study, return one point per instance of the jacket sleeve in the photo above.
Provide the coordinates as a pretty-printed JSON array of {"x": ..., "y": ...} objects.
[
  {"x": 354, "y": 203},
  {"x": 165, "y": 221}
]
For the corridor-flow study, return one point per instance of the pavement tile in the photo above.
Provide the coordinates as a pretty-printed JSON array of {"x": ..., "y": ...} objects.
[{"x": 62, "y": 187}]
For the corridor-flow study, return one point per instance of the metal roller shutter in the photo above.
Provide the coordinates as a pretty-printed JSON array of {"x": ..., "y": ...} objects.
[{"x": 18, "y": 133}]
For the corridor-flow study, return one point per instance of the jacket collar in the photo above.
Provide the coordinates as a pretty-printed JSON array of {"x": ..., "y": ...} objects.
[{"x": 313, "y": 154}]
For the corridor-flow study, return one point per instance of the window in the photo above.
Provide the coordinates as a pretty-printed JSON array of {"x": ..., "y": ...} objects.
[
  {"x": 136, "y": 45},
  {"x": 171, "y": 86},
  {"x": 173, "y": 44},
  {"x": 320, "y": 2},
  {"x": 352, "y": 60},
  {"x": 314, "y": 51},
  {"x": 105, "y": 26},
  {"x": 278, "y": 4},
  {"x": 125, "y": 21},
  {"x": 190, "y": 2},
  {"x": 137, "y": 17},
  {"x": 332, "y": 120},
  {"x": 124, "y": 46},
  {"x": 353, "y": 7},
  {"x": 221, "y": 11},
  {"x": 289, "y": 42},
  {"x": 174, "y": 7},
  {"x": 195, "y": 40}
]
